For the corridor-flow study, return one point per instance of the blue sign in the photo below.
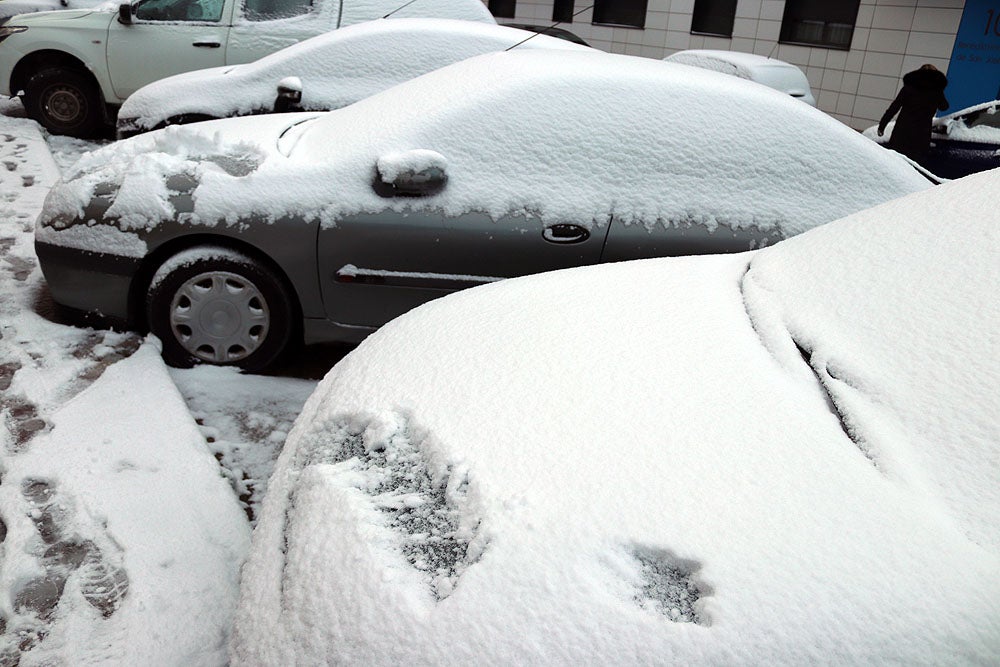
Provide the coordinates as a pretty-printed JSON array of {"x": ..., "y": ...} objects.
[{"x": 974, "y": 71}]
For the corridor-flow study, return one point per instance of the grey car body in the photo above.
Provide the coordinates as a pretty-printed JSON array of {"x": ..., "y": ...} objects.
[{"x": 329, "y": 225}]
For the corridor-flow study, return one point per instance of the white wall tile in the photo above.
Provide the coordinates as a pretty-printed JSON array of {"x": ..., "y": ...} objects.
[
  {"x": 745, "y": 28},
  {"x": 772, "y": 9},
  {"x": 883, "y": 87},
  {"x": 930, "y": 44},
  {"x": 887, "y": 41},
  {"x": 893, "y": 18},
  {"x": 769, "y": 30},
  {"x": 935, "y": 19},
  {"x": 748, "y": 8},
  {"x": 679, "y": 22},
  {"x": 678, "y": 40},
  {"x": 886, "y": 64},
  {"x": 832, "y": 79}
]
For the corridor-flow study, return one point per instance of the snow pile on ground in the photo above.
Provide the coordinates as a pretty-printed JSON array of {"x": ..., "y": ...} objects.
[
  {"x": 120, "y": 538},
  {"x": 95, "y": 581},
  {"x": 558, "y": 135},
  {"x": 336, "y": 68},
  {"x": 783, "y": 457}
]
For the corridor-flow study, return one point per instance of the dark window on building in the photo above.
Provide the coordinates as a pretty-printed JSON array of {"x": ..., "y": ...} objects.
[
  {"x": 714, "y": 17},
  {"x": 562, "y": 10},
  {"x": 630, "y": 13},
  {"x": 819, "y": 23},
  {"x": 503, "y": 9}
]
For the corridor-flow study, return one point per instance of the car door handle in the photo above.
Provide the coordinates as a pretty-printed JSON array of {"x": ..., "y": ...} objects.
[
  {"x": 208, "y": 45},
  {"x": 565, "y": 233}
]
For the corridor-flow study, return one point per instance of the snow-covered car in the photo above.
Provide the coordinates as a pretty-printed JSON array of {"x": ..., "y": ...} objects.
[
  {"x": 770, "y": 72},
  {"x": 228, "y": 238},
  {"x": 784, "y": 457},
  {"x": 73, "y": 68},
  {"x": 962, "y": 143},
  {"x": 330, "y": 71}
]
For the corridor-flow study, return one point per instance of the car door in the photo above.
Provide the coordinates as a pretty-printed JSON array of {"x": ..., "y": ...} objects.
[
  {"x": 166, "y": 37},
  {"x": 638, "y": 241},
  {"x": 261, "y": 27},
  {"x": 376, "y": 266}
]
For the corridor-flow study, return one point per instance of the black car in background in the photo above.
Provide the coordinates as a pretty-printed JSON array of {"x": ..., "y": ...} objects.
[{"x": 962, "y": 143}]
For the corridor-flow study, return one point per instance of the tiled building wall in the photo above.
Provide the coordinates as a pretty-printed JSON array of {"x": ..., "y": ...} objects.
[{"x": 891, "y": 37}]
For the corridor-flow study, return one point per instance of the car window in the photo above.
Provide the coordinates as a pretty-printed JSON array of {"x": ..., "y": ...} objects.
[
  {"x": 269, "y": 10},
  {"x": 179, "y": 10}
]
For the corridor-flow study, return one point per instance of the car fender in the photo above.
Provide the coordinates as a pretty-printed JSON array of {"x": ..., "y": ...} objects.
[{"x": 80, "y": 40}]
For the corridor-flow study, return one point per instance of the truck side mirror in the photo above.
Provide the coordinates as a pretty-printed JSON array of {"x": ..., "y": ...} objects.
[{"x": 125, "y": 13}]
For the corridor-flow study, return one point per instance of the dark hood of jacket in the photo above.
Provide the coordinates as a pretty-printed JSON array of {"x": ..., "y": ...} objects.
[{"x": 926, "y": 79}]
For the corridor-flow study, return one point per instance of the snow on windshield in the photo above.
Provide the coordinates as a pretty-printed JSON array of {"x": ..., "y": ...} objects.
[
  {"x": 617, "y": 461},
  {"x": 336, "y": 68}
]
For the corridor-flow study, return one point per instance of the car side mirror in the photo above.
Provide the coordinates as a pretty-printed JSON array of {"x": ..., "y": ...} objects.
[
  {"x": 125, "y": 13},
  {"x": 414, "y": 173},
  {"x": 289, "y": 95}
]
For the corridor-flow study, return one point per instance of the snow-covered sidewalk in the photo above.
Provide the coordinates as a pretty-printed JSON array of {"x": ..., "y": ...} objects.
[{"x": 121, "y": 536}]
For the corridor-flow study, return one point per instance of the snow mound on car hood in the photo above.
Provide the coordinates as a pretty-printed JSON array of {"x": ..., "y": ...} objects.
[
  {"x": 636, "y": 460},
  {"x": 136, "y": 174}
]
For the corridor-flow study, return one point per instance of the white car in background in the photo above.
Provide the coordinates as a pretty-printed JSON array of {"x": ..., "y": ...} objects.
[
  {"x": 781, "y": 457},
  {"x": 326, "y": 72},
  {"x": 770, "y": 72},
  {"x": 71, "y": 66}
]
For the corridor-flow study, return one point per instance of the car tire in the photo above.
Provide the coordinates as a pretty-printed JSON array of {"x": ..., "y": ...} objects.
[
  {"x": 214, "y": 305},
  {"x": 64, "y": 101}
]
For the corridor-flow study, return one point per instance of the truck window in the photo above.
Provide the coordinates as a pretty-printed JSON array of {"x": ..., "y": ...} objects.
[
  {"x": 179, "y": 10},
  {"x": 269, "y": 10}
]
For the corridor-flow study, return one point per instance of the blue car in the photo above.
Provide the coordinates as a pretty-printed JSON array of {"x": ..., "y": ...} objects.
[{"x": 962, "y": 143}]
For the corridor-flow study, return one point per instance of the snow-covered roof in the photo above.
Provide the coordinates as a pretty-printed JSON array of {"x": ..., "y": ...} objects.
[
  {"x": 336, "y": 68},
  {"x": 781, "y": 457}
]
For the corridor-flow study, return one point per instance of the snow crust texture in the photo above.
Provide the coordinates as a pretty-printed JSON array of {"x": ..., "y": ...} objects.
[{"x": 780, "y": 457}]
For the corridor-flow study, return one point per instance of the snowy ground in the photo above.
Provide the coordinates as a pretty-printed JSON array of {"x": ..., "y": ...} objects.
[{"x": 120, "y": 540}]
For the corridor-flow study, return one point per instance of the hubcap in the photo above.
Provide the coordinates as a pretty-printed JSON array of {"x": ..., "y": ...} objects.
[
  {"x": 65, "y": 104},
  {"x": 219, "y": 317}
]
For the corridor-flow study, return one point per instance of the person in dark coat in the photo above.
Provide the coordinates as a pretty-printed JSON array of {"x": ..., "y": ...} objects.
[{"x": 921, "y": 96}]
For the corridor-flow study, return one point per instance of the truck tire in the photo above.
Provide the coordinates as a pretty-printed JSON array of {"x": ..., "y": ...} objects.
[{"x": 64, "y": 101}]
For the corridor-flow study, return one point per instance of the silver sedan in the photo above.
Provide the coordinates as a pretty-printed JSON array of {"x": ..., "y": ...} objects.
[{"x": 231, "y": 239}]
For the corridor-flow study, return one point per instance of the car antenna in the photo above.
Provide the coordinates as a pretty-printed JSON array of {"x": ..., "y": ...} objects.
[
  {"x": 402, "y": 6},
  {"x": 541, "y": 32}
]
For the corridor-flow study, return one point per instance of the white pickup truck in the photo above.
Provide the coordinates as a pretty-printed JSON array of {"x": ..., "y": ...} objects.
[{"x": 73, "y": 68}]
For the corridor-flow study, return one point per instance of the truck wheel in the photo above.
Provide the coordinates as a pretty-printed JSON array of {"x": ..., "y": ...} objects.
[{"x": 64, "y": 101}]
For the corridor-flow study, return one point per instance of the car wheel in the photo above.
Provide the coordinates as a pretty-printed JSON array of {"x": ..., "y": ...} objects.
[
  {"x": 213, "y": 305},
  {"x": 64, "y": 101}
]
